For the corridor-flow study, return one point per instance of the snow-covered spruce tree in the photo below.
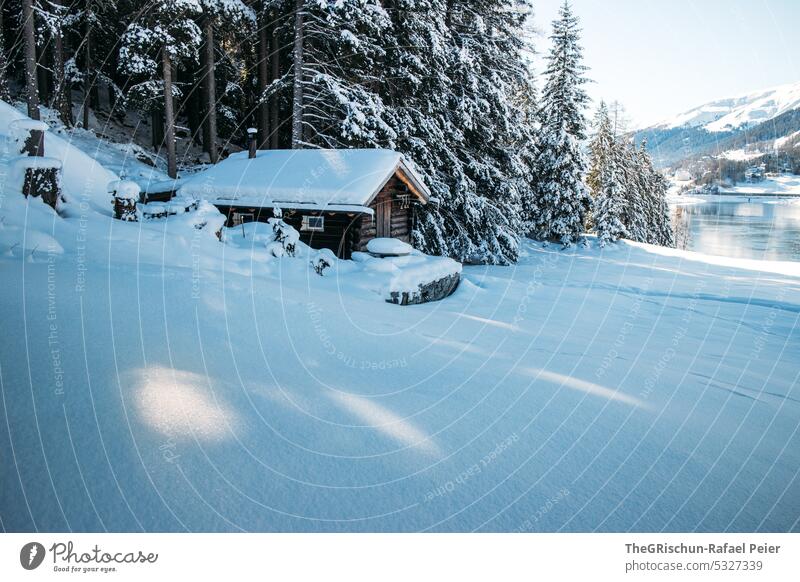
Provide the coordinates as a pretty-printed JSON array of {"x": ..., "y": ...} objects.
[
  {"x": 489, "y": 75},
  {"x": 56, "y": 17},
  {"x": 659, "y": 227},
  {"x": 561, "y": 200},
  {"x": 609, "y": 203},
  {"x": 97, "y": 26},
  {"x": 635, "y": 214},
  {"x": 334, "y": 74},
  {"x": 601, "y": 149},
  {"x": 454, "y": 70},
  {"x": 164, "y": 34},
  {"x": 605, "y": 180}
]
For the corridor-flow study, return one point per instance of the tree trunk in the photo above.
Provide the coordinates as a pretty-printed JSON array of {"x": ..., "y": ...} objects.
[
  {"x": 274, "y": 103},
  {"x": 31, "y": 84},
  {"x": 169, "y": 118},
  {"x": 211, "y": 93},
  {"x": 193, "y": 108},
  {"x": 157, "y": 118},
  {"x": 297, "y": 98},
  {"x": 88, "y": 79},
  {"x": 204, "y": 102},
  {"x": 263, "y": 81},
  {"x": 60, "y": 101},
  {"x": 43, "y": 71},
  {"x": 5, "y": 93}
]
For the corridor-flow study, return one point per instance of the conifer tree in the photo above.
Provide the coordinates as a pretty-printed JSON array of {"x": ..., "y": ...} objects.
[
  {"x": 214, "y": 15},
  {"x": 562, "y": 202},
  {"x": 152, "y": 45},
  {"x": 601, "y": 149},
  {"x": 659, "y": 228},
  {"x": 609, "y": 204}
]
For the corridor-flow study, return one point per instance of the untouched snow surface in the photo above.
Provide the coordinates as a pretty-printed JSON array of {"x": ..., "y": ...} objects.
[{"x": 200, "y": 386}]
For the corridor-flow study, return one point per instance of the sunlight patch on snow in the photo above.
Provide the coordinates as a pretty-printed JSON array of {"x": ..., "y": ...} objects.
[
  {"x": 459, "y": 345},
  {"x": 384, "y": 420},
  {"x": 584, "y": 386},
  {"x": 177, "y": 404},
  {"x": 492, "y": 322}
]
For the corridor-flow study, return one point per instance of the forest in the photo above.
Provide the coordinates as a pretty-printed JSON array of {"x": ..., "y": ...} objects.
[{"x": 448, "y": 83}]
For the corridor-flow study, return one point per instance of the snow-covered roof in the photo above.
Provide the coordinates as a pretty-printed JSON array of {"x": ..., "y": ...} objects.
[{"x": 330, "y": 179}]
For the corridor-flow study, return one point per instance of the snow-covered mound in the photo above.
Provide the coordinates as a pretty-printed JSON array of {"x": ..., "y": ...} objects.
[
  {"x": 389, "y": 246},
  {"x": 734, "y": 112}
]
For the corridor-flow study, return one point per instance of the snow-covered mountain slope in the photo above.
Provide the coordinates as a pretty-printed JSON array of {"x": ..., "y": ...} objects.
[
  {"x": 734, "y": 112},
  {"x": 768, "y": 122}
]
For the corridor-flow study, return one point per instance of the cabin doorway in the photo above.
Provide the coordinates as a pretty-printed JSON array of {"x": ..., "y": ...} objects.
[{"x": 383, "y": 219}]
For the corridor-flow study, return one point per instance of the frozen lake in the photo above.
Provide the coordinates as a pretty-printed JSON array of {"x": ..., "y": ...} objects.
[{"x": 756, "y": 227}]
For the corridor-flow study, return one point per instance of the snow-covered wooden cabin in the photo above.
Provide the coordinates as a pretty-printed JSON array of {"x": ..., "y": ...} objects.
[{"x": 336, "y": 199}]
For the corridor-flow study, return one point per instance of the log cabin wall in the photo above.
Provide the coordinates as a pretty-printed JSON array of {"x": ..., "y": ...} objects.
[{"x": 340, "y": 234}]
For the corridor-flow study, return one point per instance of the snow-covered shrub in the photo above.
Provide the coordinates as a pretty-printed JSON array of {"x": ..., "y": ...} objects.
[
  {"x": 323, "y": 260},
  {"x": 285, "y": 238}
]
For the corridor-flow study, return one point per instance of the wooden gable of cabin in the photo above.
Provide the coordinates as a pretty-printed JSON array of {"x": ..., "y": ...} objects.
[{"x": 393, "y": 214}]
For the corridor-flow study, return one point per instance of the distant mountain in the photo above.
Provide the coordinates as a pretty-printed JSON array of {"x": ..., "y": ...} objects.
[
  {"x": 733, "y": 113},
  {"x": 738, "y": 126}
]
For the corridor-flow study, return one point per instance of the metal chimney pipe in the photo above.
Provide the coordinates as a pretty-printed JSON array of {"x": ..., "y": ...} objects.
[{"x": 251, "y": 142}]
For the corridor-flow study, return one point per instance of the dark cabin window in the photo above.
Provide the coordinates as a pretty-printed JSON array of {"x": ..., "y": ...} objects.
[{"x": 313, "y": 223}]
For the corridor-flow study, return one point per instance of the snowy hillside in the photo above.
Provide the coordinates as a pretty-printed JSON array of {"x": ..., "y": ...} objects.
[{"x": 734, "y": 112}]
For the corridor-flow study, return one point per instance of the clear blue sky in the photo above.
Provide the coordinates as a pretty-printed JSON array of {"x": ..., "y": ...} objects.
[{"x": 662, "y": 57}]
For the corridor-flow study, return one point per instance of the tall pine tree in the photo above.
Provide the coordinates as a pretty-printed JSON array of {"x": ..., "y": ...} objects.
[{"x": 561, "y": 202}]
